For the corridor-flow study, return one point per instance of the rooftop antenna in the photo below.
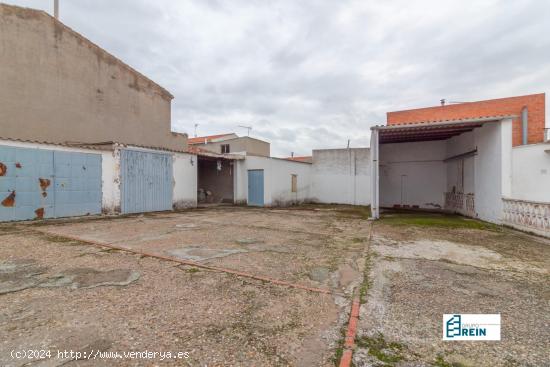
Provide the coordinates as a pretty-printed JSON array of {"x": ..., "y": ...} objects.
[
  {"x": 56, "y": 9},
  {"x": 196, "y": 125},
  {"x": 348, "y": 143},
  {"x": 248, "y": 128}
]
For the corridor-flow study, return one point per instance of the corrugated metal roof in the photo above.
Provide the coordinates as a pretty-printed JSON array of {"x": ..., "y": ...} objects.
[
  {"x": 438, "y": 130},
  {"x": 434, "y": 122},
  {"x": 107, "y": 145}
]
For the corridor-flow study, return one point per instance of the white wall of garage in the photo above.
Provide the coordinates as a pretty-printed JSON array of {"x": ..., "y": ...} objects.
[
  {"x": 277, "y": 180},
  {"x": 413, "y": 174},
  {"x": 185, "y": 180}
]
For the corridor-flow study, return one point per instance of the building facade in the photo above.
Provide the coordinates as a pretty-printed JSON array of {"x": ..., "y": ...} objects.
[{"x": 528, "y": 122}]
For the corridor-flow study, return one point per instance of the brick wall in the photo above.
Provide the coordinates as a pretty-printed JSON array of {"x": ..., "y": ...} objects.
[{"x": 492, "y": 107}]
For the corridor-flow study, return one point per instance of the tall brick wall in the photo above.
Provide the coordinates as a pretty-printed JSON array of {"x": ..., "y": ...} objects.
[{"x": 492, "y": 107}]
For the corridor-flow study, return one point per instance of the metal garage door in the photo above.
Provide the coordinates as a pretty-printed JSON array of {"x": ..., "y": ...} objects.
[
  {"x": 146, "y": 181},
  {"x": 38, "y": 183},
  {"x": 256, "y": 187}
]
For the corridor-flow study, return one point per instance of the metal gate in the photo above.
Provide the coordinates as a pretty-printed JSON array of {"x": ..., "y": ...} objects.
[
  {"x": 39, "y": 183},
  {"x": 146, "y": 184},
  {"x": 256, "y": 187}
]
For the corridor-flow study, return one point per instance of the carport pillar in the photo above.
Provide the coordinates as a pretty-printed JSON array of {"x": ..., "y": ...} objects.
[
  {"x": 375, "y": 182},
  {"x": 506, "y": 154}
]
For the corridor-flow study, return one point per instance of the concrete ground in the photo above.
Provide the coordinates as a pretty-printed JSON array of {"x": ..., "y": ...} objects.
[
  {"x": 58, "y": 292},
  {"x": 423, "y": 266}
]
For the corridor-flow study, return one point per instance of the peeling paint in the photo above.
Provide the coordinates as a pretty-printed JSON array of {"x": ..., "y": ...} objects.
[
  {"x": 10, "y": 200},
  {"x": 39, "y": 213},
  {"x": 3, "y": 169},
  {"x": 44, "y": 183}
]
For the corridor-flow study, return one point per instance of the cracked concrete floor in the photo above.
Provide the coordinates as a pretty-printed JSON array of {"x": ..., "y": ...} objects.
[
  {"x": 420, "y": 272},
  {"x": 62, "y": 294}
]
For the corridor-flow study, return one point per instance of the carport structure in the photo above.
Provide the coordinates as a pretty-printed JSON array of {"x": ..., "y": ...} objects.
[
  {"x": 461, "y": 166},
  {"x": 216, "y": 177}
]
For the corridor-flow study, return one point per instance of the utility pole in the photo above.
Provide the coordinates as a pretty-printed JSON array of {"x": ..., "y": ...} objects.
[{"x": 56, "y": 9}]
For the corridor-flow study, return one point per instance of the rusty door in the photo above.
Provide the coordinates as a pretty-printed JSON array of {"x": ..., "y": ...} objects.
[
  {"x": 146, "y": 181},
  {"x": 34, "y": 183}
]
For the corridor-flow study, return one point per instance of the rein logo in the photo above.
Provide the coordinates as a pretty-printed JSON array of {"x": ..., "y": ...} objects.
[{"x": 471, "y": 327}]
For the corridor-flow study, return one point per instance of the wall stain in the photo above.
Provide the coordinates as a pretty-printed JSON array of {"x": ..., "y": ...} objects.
[
  {"x": 39, "y": 213},
  {"x": 3, "y": 169},
  {"x": 10, "y": 200},
  {"x": 44, "y": 183},
  {"x": 18, "y": 165}
]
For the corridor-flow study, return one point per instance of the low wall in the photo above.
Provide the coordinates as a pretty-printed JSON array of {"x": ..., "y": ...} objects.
[
  {"x": 528, "y": 216},
  {"x": 341, "y": 176}
]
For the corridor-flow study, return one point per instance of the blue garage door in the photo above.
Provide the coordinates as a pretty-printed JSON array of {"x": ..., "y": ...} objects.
[
  {"x": 147, "y": 181},
  {"x": 256, "y": 187},
  {"x": 38, "y": 183}
]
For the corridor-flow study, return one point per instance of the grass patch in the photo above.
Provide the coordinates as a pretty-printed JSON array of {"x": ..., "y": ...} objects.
[
  {"x": 440, "y": 362},
  {"x": 389, "y": 353},
  {"x": 339, "y": 351},
  {"x": 366, "y": 283},
  {"x": 192, "y": 270},
  {"x": 436, "y": 220},
  {"x": 356, "y": 211}
]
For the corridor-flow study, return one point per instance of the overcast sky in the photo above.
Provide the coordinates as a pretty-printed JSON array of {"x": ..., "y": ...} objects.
[{"x": 313, "y": 74}]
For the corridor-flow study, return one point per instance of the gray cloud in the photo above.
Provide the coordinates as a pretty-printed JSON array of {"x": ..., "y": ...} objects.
[{"x": 313, "y": 74}]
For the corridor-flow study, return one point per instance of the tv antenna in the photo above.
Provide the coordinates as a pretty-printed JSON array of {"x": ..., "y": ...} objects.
[{"x": 248, "y": 128}]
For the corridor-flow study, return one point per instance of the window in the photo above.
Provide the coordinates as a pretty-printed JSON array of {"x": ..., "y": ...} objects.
[
  {"x": 294, "y": 183},
  {"x": 225, "y": 148}
]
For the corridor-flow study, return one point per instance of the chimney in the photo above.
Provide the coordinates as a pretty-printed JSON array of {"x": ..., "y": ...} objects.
[
  {"x": 442, "y": 100},
  {"x": 56, "y": 9}
]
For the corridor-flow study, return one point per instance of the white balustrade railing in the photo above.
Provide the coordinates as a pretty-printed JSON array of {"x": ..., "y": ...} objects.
[
  {"x": 528, "y": 215},
  {"x": 460, "y": 203}
]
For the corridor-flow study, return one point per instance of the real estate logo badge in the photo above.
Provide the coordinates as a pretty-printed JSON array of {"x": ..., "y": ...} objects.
[{"x": 471, "y": 327}]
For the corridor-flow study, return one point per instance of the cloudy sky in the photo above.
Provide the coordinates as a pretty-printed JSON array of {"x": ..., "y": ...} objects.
[{"x": 314, "y": 73}]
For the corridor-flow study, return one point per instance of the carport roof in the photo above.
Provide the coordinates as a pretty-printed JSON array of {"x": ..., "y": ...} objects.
[{"x": 431, "y": 130}]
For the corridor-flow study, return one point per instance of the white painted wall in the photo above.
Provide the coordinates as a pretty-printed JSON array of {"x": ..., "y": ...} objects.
[
  {"x": 277, "y": 180},
  {"x": 492, "y": 168},
  {"x": 531, "y": 172},
  {"x": 185, "y": 180},
  {"x": 413, "y": 174},
  {"x": 341, "y": 176},
  {"x": 458, "y": 145}
]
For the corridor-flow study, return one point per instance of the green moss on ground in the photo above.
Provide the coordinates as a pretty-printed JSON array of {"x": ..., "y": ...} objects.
[
  {"x": 440, "y": 362},
  {"x": 436, "y": 220},
  {"x": 387, "y": 352}
]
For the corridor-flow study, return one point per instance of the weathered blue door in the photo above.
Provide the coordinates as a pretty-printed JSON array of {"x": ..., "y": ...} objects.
[
  {"x": 256, "y": 187},
  {"x": 77, "y": 184},
  {"x": 146, "y": 181},
  {"x": 39, "y": 183}
]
